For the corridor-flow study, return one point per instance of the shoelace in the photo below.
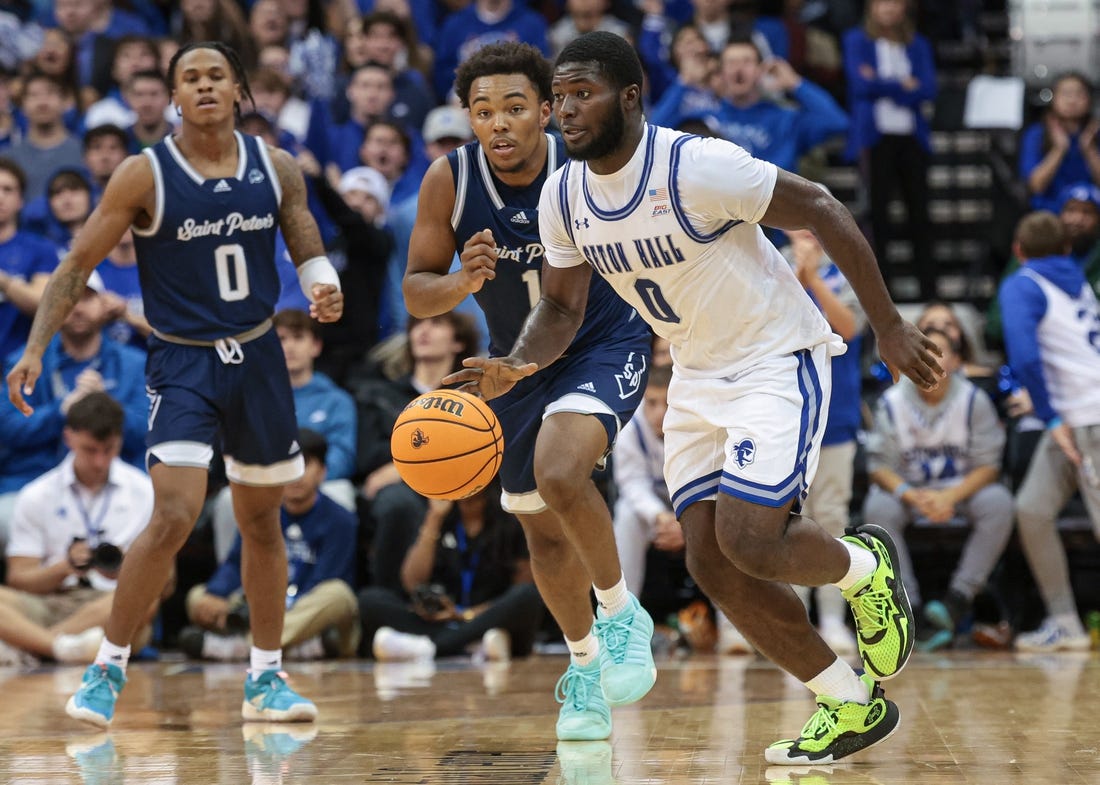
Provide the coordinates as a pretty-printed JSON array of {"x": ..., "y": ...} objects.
[
  {"x": 574, "y": 687},
  {"x": 614, "y": 635},
  {"x": 273, "y": 687},
  {"x": 823, "y": 721},
  {"x": 94, "y": 687},
  {"x": 870, "y": 610}
]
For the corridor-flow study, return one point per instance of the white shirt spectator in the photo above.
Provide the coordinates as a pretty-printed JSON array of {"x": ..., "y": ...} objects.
[{"x": 55, "y": 508}]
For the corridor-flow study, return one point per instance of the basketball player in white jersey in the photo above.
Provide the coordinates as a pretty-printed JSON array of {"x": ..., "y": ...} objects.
[
  {"x": 1053, "y": 344},
  {"x": 672, "y": 223}
]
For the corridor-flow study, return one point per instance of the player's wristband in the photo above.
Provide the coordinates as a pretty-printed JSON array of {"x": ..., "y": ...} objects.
[
  {"x": 318, "y": 270},
  {"x": 901, "y": 489}
]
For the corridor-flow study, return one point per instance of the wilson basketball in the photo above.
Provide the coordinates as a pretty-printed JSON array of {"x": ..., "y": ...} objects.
[{"x": 447, "y": 444}]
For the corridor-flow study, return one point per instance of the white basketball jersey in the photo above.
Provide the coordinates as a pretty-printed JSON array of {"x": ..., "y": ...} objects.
[
  {"x": 1069, "y": 345},
  {"x": 933, "y": 441},
  {"x": 675, "y": 233}
]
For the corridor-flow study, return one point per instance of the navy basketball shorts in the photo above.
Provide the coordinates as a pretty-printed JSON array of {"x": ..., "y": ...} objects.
[
  {"x": 197, "y": 401},
  {"x": 606, "y": 380}
]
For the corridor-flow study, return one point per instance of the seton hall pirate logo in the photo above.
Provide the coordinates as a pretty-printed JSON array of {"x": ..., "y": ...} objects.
[{"x": 744, "y": 452}]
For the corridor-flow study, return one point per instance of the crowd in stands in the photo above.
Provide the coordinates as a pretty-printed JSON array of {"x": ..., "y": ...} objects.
[{"x": 360, "y": 93}]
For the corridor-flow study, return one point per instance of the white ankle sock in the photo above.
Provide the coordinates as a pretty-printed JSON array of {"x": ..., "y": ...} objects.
[
  {"x": 839, "y": 681},
  {"x": 585, "y": 651},
  {"x": 109, "y": 654},
  {"x": 861, "y": 564},
  {"x": 262, "y": 660},
  {"x": 615, "y": 599}
]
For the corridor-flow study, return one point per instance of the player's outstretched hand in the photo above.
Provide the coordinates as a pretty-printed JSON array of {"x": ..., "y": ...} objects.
[
  {"x": 905, "y": 349},
  {"x": 328, "y": 303},
  {"x": 21, "y": 381},
  {"x": 490, "y": 378},
  {"x": 479, "y": 260}
]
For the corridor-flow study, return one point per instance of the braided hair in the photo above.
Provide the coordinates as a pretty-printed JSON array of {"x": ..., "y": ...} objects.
[{"x": 229, "y": 54}]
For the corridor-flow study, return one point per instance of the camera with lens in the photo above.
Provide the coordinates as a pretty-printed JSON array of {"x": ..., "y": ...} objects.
[
  {"x": 431, "y": 598},
  {"x": 106, "y": 557}
]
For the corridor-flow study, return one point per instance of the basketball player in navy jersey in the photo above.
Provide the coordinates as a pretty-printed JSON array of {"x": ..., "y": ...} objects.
[
  {"x": 482, "y": 200},
  {"x": 204, "y": 205}
]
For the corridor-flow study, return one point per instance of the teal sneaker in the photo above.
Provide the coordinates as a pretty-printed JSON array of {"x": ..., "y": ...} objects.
[
  {"x": 584, "y": 715},
  {"x": 585, "y": 763},
  {"x": 627, "y": 671},
  {"x": 268, "y": 698},
  {"x": 270, "y": 748},
  {"x": 95, "y": 701},
  {"x": 97, "y": 760},
  {"x": 885, "y": 627},
  {"x": 838, "y": 729}
]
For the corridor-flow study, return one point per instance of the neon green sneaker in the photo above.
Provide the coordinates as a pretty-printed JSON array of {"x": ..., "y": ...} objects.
[
  {"x": 885, "y": 627},
  {"x": 839, "y": 728},
  {"x": 584, "y": 715}
]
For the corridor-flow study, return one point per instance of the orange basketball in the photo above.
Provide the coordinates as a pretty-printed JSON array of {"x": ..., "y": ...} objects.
[{"x": 447, "y": 444}]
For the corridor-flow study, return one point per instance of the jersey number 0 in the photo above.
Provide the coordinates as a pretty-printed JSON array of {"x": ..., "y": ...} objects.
[{"x": 232, "y": 272}]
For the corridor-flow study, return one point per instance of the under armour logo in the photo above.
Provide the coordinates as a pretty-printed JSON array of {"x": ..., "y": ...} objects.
[
  {"x": 581, "y": 223},
  {"x": 744, "y": 452}
]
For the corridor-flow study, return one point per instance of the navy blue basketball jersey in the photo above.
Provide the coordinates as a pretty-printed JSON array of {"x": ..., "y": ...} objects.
[
  {"x": 484, "y": 202},
  {"x": 207, "y": 260}
]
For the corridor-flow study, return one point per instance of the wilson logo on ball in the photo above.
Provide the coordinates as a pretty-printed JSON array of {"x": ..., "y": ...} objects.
[
  {"x": 447, "y": 405},
  {"x": 419, "y": 439}
]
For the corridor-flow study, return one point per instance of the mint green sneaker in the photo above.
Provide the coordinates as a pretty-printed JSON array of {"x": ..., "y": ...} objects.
[
  {"x": 627, "y": 671},
  {"x": 584, "y": 715},
  {"x": 268, "y": 698},
  {"x": 885, "y": 627},
  {"x": 839, "y": 728},
  {"x": 95, "y": 701}
]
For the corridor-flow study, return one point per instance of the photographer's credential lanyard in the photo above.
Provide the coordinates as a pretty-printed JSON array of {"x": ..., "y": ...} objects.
[
  {"x": 94, "y": 529},
  {"x": 469, "y": 566}
]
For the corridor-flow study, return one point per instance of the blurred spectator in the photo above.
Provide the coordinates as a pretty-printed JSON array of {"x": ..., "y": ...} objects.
[
  {"x": 480, "y": 23},
  {"x": 132, "y": 54},
  {"x": 385, "y": 38},
  {"x": 47, "y": 145},
  {"x": 814, "y": 52},
  {"x": 268, "y": 24},
  {"x": 313, "y": 51},
  {"x": 643, "y": 515},
  {"x": 124, "y": 308},
  {"x": 272, "y": 98},
  {"x": 1061, "y": 149},
  {"x": 26, "y": 261},
  {"x": 1052, "y": 341},
  {"x": 215, "y": 20},
  {"x": 321, "y": 615},
  {"x": 831, "y": 492},
  {"x": 69, "y": 196},
  {"x": 387, "y": 148},
  {"x": 320, "y": 406},
  {"x": 9, "y": 131},
  {"x": 370, "y": 97},
  {"x": 105, "y": 148},
  {"x": 57, "y": 58},
  {"x": 939, "y": 315},
  {"x": 682, "y": 84},
  {"x": 1079, "y": 209},
  {"x": 80, "y": 360},
  {"x": 70, "y": 530},
  {"x": 359, "y": 209},
  {"x": 891, "y": 74},
  {"x": 468, "y": 575},
  {"x": 149, "y": 96},
  {"x": 435, "y": 348},
  {"x": 935, "y": 455},
  {"x": 585, "y": 16},
  {"x": 89, "y": 22}
]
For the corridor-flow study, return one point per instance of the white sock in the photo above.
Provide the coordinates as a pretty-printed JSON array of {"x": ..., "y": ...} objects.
[
  {"x": 262, "y": 660},
  {"x": 839, "y": 681},
  {"x": 109, "y": 654},
  {"x": 585, "y": 651},
  {"x": 861, "y": 564},
  {"x": 615, "y": 599}
]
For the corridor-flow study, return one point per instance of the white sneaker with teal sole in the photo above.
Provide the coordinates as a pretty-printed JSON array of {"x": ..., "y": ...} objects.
[
  {"x": 268, "y": 698},
  {"x": 627, "y": 671},
  {"x": 584, "y": 715},
  {"x": 95, "y": 701}
]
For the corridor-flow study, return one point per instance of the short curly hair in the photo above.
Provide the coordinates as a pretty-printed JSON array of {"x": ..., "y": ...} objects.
[{"x": 505, "y": 57}]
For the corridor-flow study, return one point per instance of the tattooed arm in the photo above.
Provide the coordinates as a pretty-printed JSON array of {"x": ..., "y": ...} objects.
[
  {"x": 303, "y": 238},
  {"x": 129, "y": 198}
]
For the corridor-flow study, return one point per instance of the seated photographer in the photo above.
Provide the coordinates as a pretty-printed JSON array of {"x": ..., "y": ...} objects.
[
  {"x": 70, "y": 529},
  {"x": 321, "y": 616},
  {"x": 469, "y": 577}
]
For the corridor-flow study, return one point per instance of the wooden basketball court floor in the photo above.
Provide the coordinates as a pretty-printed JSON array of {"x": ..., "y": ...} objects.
[{"x": 967, "y": 717}]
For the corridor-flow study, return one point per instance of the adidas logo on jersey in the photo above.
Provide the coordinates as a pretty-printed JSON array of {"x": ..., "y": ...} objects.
[
  {"x": 294, "y": 448},
  {"x": 520, "y": 218},
  {"x": 587, "y": 387},
  {"x": 222, "y": 187}
]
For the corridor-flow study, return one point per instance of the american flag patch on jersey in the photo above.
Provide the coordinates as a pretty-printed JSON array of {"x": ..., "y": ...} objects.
[{"x": 658, "y": 194}]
